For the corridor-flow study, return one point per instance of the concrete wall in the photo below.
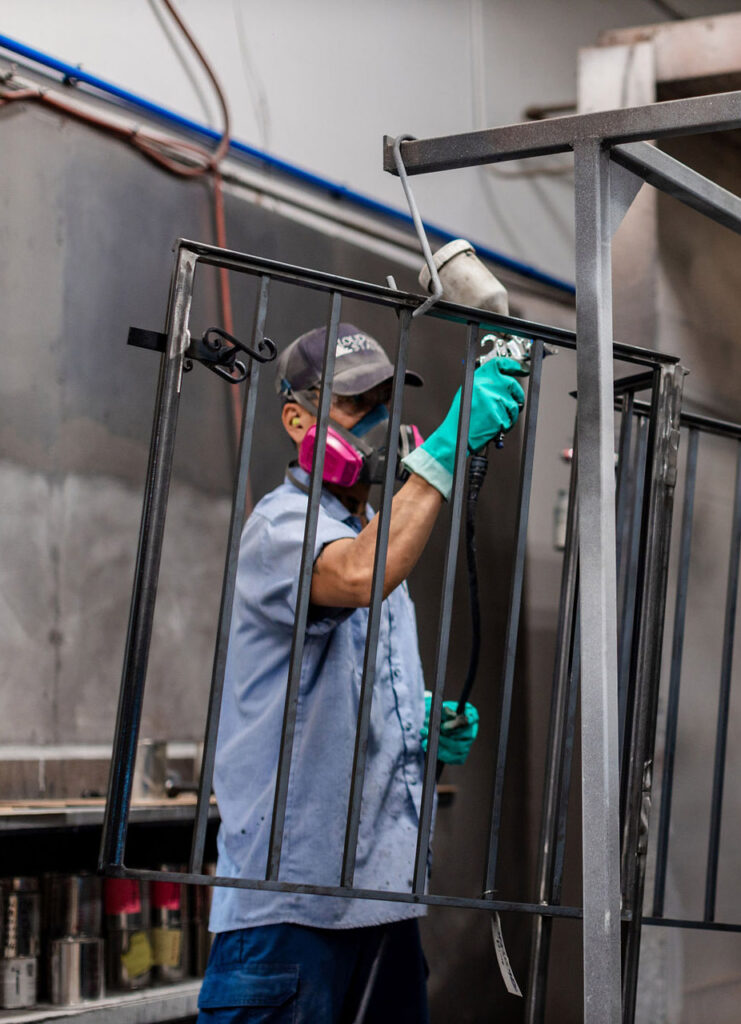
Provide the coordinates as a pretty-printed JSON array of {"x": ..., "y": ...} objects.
[{"x": 75, "y": 413}]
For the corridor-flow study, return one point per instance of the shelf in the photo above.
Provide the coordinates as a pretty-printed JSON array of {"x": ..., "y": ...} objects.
[
  {"x": 49, "y": 814},
  {"x": 167, "y": 1003}
]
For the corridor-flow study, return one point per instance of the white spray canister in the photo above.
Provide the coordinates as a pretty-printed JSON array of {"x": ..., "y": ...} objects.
[{"x": 465, "y": 279}]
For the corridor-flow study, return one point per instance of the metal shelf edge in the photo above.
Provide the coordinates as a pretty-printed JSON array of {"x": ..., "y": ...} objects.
[{"x": 150, "y": 1006}]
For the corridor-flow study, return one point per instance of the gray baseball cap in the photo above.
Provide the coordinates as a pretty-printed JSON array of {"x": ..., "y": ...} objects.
[{"x": 360, "y": 363}]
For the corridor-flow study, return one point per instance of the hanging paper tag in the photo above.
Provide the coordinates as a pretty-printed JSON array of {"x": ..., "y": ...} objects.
[{"x": 504, "y": 965}]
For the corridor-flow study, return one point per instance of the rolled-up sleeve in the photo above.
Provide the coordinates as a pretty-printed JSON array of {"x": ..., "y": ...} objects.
[{"x": 275, "y": 546}]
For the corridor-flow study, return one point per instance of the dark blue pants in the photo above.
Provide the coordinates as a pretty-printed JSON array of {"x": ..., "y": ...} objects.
[{"x": 289, "y": 974}]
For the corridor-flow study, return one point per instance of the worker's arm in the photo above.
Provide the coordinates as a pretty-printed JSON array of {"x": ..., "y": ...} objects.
[{"x": 343, "y": 572}]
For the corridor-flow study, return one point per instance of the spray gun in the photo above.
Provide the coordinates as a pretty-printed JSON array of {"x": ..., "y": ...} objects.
[{"x": 467, "y": 281}]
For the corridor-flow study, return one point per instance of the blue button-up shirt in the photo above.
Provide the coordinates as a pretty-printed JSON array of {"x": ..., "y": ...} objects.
[{"x": 319, "y": 786}]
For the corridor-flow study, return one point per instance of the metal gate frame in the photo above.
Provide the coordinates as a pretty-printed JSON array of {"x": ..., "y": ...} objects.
[
  {"x": 646, "y": 507},
  {"x": 605, "y": 145}
]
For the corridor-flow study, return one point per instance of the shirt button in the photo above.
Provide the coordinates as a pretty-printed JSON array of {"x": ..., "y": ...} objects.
[{"x": 395, "y": 673}]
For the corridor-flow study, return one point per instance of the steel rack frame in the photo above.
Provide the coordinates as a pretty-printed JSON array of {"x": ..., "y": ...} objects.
[{"x": 612, "y": 159}]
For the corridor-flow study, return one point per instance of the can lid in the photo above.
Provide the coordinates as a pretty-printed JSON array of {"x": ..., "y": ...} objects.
[
  {"x": 443, "y": 256},
  {"x": 122, "y": 896},
  {"x": 165, "y": 895}
]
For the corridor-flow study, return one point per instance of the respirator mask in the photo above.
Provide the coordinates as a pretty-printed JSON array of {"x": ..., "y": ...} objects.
[{"x": 358, "y": 454}]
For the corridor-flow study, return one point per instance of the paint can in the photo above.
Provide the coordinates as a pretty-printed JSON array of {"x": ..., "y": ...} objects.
[
  {"x": 77, "y": 970},
  {"x": 21, "y": 924},
  {"x": 18, "y": 982},
  {"x": 128, "y": 960},
  {"x": 170, "y": 931},
  {"x": 72, "y": 906},
  {"x": 128, "y": 948}
]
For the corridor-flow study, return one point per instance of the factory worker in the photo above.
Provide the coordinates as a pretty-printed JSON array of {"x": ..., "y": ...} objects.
[{"x": 280, "y": 956}]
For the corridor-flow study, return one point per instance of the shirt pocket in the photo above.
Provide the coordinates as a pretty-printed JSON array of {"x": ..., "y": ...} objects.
[{"x": 258, "y": 994}]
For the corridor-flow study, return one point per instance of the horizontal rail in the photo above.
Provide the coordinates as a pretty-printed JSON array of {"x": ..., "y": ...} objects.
[
  {"x": 319, "y": 280},
  {"x": 694, "y": 116},
  {"x": 473, "y": 903},
  {"x": 707, "y": 424},
  {"x": 703, "y": 926}
]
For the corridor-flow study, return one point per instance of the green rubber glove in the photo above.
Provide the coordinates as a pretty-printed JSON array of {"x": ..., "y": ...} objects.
[
  {"x": 495, "y": 406},
  {"x": 456, "y": 738}
]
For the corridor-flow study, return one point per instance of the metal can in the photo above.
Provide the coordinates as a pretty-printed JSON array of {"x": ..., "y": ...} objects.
[
  {"x": 128, "y": 960},
  {"x": 21, "y": 924},
  {"x": 18, "y": 982},
  {"x": 200, "y": 905},
  {"x": 72, "y": 906},
  {"x": 126, "y": 904},
  {"x": 170, "y": 934},
  {"x": 150, "y": 771},
  {"x": 128, "y": 947},
  {"x": 76, "y": 970}
]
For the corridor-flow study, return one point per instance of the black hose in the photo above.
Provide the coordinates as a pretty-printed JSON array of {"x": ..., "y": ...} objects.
[{"x": 477, "y": 468}]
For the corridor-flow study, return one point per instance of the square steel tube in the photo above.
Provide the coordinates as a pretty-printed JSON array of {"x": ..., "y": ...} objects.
[
  {"x": 149, "y": 554},
  {"x": 698, "y": 115},
  {"x": 597, "y": 586},
  {"x": 681, "y": 182}
]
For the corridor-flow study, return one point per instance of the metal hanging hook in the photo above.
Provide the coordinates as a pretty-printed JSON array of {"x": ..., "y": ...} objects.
[{"x": 437, "y": 288}]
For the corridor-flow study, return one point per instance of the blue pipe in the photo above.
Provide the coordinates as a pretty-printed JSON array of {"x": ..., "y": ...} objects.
[{"x": 75, "y": 75}]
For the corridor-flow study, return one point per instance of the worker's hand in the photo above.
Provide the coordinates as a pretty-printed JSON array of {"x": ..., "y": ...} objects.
[
  {"x": 457, "y": 732},
  {"x": 495, "y": 406}
]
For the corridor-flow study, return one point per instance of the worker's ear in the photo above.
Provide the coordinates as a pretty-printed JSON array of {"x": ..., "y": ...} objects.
[{"x": 296, "y": 421}]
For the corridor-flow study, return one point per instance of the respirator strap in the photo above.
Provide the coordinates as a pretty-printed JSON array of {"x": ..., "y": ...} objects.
[{"x": 303, "y": 399}]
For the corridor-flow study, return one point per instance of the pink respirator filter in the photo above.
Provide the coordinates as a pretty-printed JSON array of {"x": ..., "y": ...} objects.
[{"x": 342, "y": 464}]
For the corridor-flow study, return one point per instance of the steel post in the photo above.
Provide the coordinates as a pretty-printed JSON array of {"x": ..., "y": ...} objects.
[
  {"x": 646, "y": 662},
  {"x": 146, "y": 573},
  {"x": 675, "y": 674},
  {"x": 597, "y": 569}
]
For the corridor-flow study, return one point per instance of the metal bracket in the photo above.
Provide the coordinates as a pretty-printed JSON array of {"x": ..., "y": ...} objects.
[{"x": 216, "y": 349}]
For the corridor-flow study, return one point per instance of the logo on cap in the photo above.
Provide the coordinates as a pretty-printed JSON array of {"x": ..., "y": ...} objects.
[{"x": 353, "y": 343}]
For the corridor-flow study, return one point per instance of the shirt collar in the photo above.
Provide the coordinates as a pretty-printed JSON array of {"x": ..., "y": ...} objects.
[{"x": 299, "y": 478}]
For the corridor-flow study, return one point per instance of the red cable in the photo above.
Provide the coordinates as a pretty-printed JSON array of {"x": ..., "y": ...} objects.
[{"x": 173, "y": 155}]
